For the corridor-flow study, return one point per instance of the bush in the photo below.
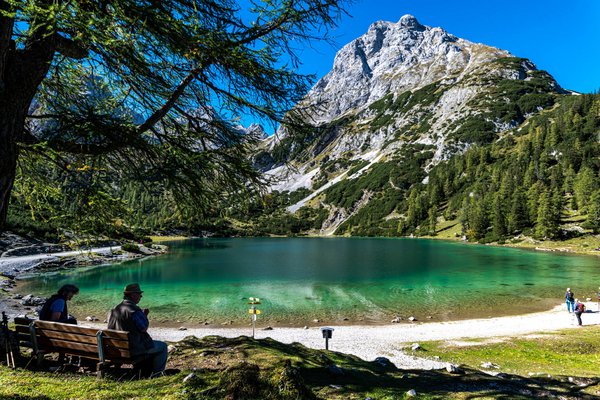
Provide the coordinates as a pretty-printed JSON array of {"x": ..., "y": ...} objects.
[{"x": 131, "y": 248}]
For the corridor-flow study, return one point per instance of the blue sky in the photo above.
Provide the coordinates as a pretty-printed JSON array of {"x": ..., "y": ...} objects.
[{"x": 561, "y": 37}]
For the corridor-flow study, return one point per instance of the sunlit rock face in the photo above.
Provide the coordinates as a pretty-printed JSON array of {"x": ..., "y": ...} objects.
[{"x": 394, "y": 57}]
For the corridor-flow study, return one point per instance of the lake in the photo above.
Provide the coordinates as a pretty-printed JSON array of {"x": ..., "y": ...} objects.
[{"x": 333, "y": 280}]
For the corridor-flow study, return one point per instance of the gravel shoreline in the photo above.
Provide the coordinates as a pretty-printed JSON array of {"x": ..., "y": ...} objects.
[{"x": 395, "y": 341}]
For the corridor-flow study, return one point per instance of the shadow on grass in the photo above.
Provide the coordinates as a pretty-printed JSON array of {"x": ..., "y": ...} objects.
[{"x": 332, "y": 375}]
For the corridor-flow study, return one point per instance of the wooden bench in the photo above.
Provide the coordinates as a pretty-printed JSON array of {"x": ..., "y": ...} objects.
[{"x": 107, "y": 347}]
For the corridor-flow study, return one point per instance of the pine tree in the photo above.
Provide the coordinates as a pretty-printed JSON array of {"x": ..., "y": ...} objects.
[
  {"x": 546, "y": 224},
  {"x": 533, "y": 199},
  {"x": 584, "y": 185},
  {"x": 593, "y": 217},
  {"x": 432, "y": 220},
  {"x": 499, "y": 224},
  {"x": 518, "y": 217}
]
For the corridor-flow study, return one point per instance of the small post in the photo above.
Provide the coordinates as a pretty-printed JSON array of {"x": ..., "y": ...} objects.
[
  {"x": 10, "y": 357},
  {"x": 253, "y": 311},
  {"x": 253, "y": 320},
  {"x": 327, "y": 333}
]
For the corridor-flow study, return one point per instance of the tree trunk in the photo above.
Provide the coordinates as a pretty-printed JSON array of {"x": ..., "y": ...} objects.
[
  {"x": 8, "y": 164},
  {"x": 23, "y": 71},
  {"x": 12, "y": 122}
]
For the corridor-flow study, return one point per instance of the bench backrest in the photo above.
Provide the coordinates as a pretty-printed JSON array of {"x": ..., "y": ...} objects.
[{"x": 103, "y": 344}]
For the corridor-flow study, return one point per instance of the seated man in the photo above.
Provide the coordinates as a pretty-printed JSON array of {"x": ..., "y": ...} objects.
[
  {"x": 127, "y": 316},
  {"x": 55, "y": 308}
]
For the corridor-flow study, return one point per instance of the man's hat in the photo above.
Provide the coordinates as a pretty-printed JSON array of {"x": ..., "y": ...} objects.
[{"x": 133, "y": 288}]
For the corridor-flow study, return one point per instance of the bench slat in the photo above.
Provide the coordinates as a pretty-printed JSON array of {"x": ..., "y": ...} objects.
[
  {"x": 73, "y": 352},
  {"x": 23, "y": 321},
  {"x": 22, "y": 328},
  {"x": 112, "y": 334},
  {"x": 23, "y": 336},
  {"x": 118, "y": 344},
  {"x": 57, "y": 346},
  {"x": 66, "y": 336},
  {"x": 112, "y": 353},
  {"x": 58, "y": 326}
]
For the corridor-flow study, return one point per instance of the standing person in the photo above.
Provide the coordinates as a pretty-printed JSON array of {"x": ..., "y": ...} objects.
[
  {"x": 570, "y": 300},
  {"x": 127, "y": 316},
  {"x": 55, "y": 308},
  {"x": 579, "y": 309}
]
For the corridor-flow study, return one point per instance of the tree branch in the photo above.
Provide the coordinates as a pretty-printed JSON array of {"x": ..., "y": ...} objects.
[
  {"x": 69, "y": 48},
  {"x": 58, "y": 144},
  {"x": 162, "y": 111}
]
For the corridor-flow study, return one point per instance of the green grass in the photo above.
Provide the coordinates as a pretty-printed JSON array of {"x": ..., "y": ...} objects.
[
  {"x": 565, "y": 353},
  {"x": 24, "y": 384},
  {"x": 245, "y": 368}
]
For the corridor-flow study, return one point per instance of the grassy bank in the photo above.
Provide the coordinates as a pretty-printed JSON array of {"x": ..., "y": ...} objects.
[
  {"x": 566, "y": 353},
  {"x": 244, "y": 368},
  {"x": 585, "y": 244},
  {"x": 159, "y": 239}
]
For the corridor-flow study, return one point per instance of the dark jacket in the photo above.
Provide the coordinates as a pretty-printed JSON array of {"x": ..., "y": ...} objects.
[
  {"x": 46, "y": 314},
  {"x": 121, "y": 318},
  {"x": 570, "y": 296}
]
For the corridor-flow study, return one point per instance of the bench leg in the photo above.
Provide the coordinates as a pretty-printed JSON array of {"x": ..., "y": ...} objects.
[
  {"x": 99, "y": 370},
  {"x": 39, "y": 358}
]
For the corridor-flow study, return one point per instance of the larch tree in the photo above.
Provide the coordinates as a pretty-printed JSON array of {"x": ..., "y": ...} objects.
[{"x": 149, "y": 89}]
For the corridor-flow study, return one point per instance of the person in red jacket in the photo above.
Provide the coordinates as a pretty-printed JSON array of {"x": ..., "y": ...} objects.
[{"x": 579, "y": 309}]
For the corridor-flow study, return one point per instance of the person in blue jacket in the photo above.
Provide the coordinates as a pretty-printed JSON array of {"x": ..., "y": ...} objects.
[
  {"x": 570, "y": 300},
  {"x": 55, "y": 308}
]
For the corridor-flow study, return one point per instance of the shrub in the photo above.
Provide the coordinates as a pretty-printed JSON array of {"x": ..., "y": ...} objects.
[{"x": 131, "y": 248}]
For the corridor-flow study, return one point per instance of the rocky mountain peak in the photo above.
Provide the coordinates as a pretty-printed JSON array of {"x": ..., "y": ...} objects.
[
  {"x": 393, "y": 57},
  {"x": 410, "y": 22}
]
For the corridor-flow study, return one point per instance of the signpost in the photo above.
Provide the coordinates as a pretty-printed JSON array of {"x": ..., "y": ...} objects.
[{"x": 253, "y": 311}]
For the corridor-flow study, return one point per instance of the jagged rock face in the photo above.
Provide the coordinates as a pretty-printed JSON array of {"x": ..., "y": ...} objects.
[
  {"x": 255, "y": 130},
  {"x": 402, "y": 87},
  {"x": 393, "y": 58}
]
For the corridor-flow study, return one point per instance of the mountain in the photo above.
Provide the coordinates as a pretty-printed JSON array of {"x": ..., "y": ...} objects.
[
  {"x": 405, "y": 83},
  {"x": 400, "y": 104}
]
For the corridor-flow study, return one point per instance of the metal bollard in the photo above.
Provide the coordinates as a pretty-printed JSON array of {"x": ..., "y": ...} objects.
[{"x": 327, "y": 333}]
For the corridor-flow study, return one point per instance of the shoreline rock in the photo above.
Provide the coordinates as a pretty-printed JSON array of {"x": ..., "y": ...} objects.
[{"x": 30, "y": 262}]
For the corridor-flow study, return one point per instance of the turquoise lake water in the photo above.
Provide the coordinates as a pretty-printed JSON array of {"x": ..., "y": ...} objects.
[{"x": 334, "y": 280}]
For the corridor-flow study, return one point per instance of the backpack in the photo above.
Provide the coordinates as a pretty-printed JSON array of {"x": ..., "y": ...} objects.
[{"x": 580, "y": 307}]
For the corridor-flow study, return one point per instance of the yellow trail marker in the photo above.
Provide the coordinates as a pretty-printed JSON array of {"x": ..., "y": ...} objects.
[{"x": 253, "y": 311}]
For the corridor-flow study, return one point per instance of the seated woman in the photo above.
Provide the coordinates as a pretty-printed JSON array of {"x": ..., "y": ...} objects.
[{"x": 55, "y": 308}]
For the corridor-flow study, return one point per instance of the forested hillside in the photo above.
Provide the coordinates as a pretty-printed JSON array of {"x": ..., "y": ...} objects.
[
  {"x": 540, "y": 179},
  {"x": 534, "y": 179}
]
